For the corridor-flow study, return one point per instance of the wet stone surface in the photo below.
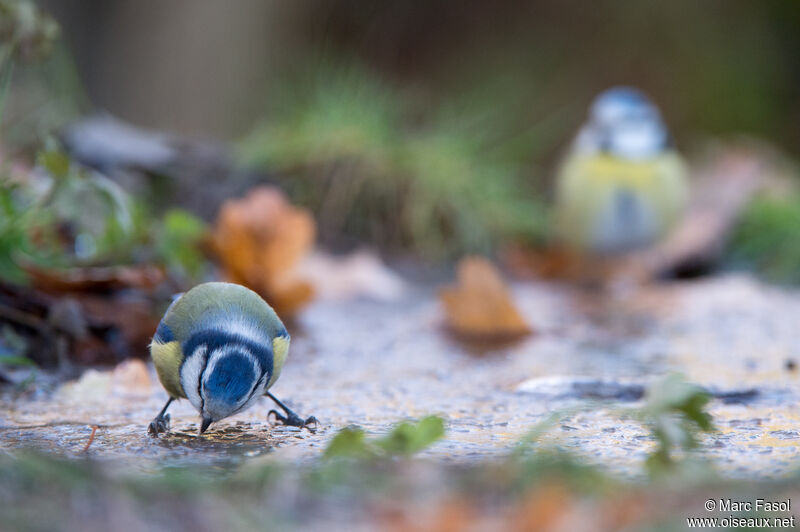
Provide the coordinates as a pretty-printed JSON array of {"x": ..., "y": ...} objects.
[{"x": 373, "y": 364}]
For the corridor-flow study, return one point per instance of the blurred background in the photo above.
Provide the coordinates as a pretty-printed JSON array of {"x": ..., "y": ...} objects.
[
  {"x": 418, "y": 130},
  {"x": 463, "y": 109},
  {"x": 219, "y": 71}
]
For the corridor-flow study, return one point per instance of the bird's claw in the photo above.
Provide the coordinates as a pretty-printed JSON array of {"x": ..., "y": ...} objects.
[
  {"x": 159, "y": 425},
  {"x": 293, "y": 420},
  {"x": 311, "y": 420}
]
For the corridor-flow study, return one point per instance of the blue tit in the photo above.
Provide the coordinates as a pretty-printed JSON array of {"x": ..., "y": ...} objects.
[
  {"x": 220, "y": 346},
  {"x": 622, "y": 186}
]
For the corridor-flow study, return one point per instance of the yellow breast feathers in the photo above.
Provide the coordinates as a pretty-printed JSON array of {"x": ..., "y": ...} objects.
[
  {"x": 280, "y": 350},
  {"x": 167, "y": 359}
]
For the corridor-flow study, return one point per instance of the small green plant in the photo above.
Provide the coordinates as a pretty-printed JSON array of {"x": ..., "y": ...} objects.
[
  {"x": 68, "y": 216},
  {"x": 767, "y": 238},
  {"x": 404, "y": 439},
  {"x": 95, "y": 215},
  {"x": 63, "y": 215},
  {"x": 675, "y": 414}
]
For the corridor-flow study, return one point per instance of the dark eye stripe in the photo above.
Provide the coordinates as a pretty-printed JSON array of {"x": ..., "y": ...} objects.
[{"x": 163, "y": 334}]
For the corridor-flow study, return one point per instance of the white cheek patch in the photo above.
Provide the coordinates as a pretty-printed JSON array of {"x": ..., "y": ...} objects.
[{"x": 191, "y": 371}]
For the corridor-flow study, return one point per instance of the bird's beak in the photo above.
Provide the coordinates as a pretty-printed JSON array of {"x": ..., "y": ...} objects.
[{"x": 204, "y": 425}]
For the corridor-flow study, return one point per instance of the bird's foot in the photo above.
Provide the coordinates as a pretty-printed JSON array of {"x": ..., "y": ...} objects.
[
  {"x": 293, "y": 420},
  {"x": 159, "y": 425}
]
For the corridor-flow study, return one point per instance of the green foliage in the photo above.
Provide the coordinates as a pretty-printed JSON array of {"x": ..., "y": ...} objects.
[
  {"x": 21, "y": 221},
  {"x": 334, "y": 116},
  {"x": 177, "y": 243},
  {"x": 94, "y": 213},
  {"x": 410, "y": 438},
  {"x": 675, "y": 413},
  {"x": 55, "y": 162},
  {"x": 70, "y": 216},
  {"x": 349, "y": 441},
  {"x": 356, "y": 151},
  {"x": 404, "y": 439},
  {"x": 767, "y": 238}
]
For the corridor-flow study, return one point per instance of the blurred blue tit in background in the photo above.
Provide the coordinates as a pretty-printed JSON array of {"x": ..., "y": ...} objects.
[
  {"x": 622, "y": 186},
  {"x": 222, "y": 347}
]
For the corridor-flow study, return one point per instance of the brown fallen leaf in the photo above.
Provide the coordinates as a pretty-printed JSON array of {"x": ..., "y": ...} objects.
[
  {"x": 259, "y": 241},
  {"x": 552, "y": 262},
  {"x": 562, "y": 264},
  {"x": 479, "y": 306},
  {"x": 94, "y": 279}
]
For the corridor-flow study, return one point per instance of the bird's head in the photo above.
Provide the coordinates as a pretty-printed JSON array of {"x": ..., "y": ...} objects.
[
  {"x": 221, "y": 379},
  {"x": 625, "y": 123}
]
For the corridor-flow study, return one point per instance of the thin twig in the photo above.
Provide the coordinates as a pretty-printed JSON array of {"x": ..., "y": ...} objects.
[{"x": 91, "y": 439}]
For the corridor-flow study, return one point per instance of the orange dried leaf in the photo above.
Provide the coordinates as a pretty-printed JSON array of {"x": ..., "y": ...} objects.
[
  {"x": 260, "y": 239},
  {"x": 291, "y": 296},
  {"x": 480, "y": 305}
]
